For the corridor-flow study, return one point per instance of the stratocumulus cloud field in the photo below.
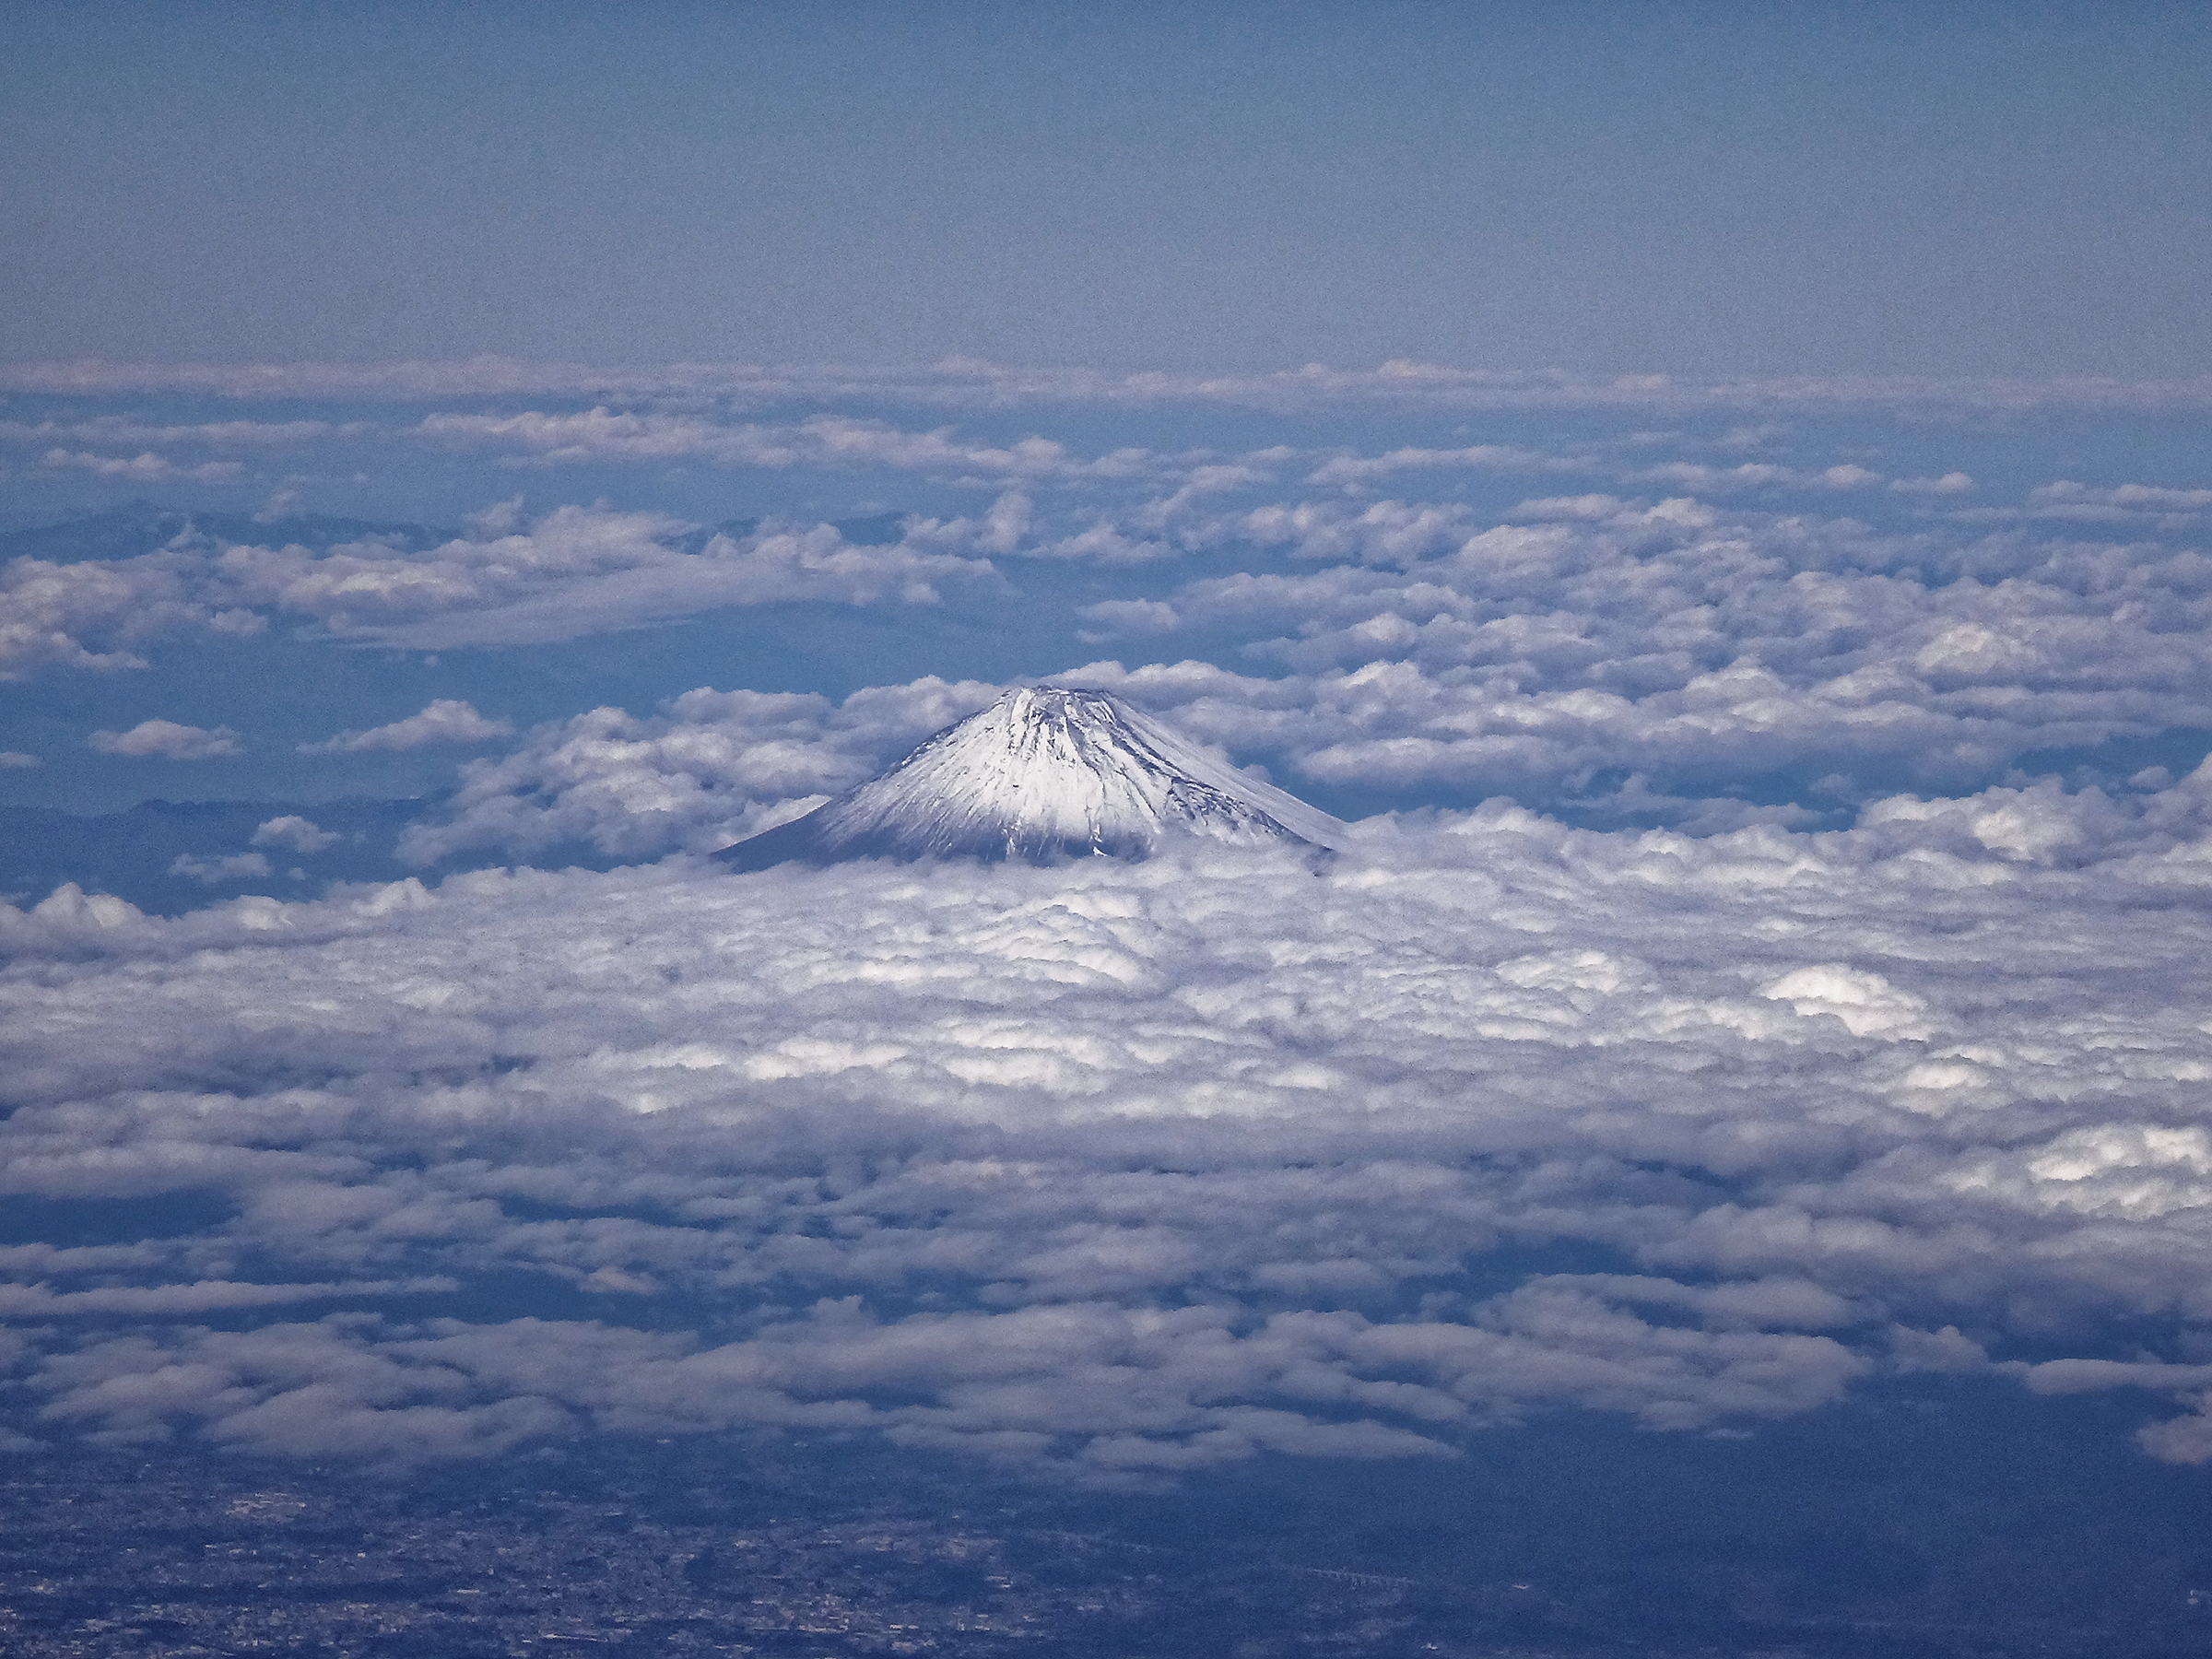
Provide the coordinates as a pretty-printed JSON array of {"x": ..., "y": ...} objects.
[
  {"x": 1769, "y": 960},
  {"x": 1132, "y": 1168}
]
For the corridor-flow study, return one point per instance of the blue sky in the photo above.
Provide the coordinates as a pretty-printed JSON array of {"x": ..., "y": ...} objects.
[
  {"x": 1719, "y": 495},
  {"x": 1713, "y": 190}
]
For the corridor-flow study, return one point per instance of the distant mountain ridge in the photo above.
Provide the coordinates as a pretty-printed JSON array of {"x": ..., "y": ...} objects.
[{"x": 1047, "y": 772}]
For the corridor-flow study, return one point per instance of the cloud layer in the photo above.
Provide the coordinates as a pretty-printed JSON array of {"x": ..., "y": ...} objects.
[
  {"x": 972, "y": 383},
  {"x": 572, "y": 572},
  {"x": 1706, "y": 625},
  {"x": 1135, "y": 1167},
  {"x": 444, "y": 720},
  {"x": 1885, "y": 1053},
  {"x": 167, "y": 740}
]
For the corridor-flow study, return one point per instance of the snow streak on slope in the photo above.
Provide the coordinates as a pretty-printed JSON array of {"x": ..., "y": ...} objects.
[{"x": 1046, "y": 772}]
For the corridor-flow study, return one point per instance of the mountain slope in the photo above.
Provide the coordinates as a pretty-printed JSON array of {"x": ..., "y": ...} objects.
[{"x": 1046, "y": 772}]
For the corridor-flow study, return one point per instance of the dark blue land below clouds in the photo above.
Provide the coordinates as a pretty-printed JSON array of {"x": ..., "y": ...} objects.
[
  {"x": 1927, "y": 1520},
  {"x": 135, "y": 854},
  {"x": 1922, "y": 1517}
]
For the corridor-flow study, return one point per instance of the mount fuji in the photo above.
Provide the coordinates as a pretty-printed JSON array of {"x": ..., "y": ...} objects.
[{"x": 1045, "y": 773}]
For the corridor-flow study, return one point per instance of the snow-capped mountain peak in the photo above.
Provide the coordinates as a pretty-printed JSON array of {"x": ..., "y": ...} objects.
[{"x": 1043, "y": 773}]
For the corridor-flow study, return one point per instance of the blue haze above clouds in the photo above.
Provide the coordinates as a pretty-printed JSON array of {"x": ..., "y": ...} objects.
[
  {"x": 1770, "y": 969},
  {"x": 1695, "y": 189}
]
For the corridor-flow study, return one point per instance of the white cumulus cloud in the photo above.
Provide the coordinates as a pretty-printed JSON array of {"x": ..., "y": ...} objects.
[
  {"x": 232, "y": 867},
  {"x": 300, "y": 834},
  {"x": 445, "y": 720},
  {"x": 167, "y": 740}
]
